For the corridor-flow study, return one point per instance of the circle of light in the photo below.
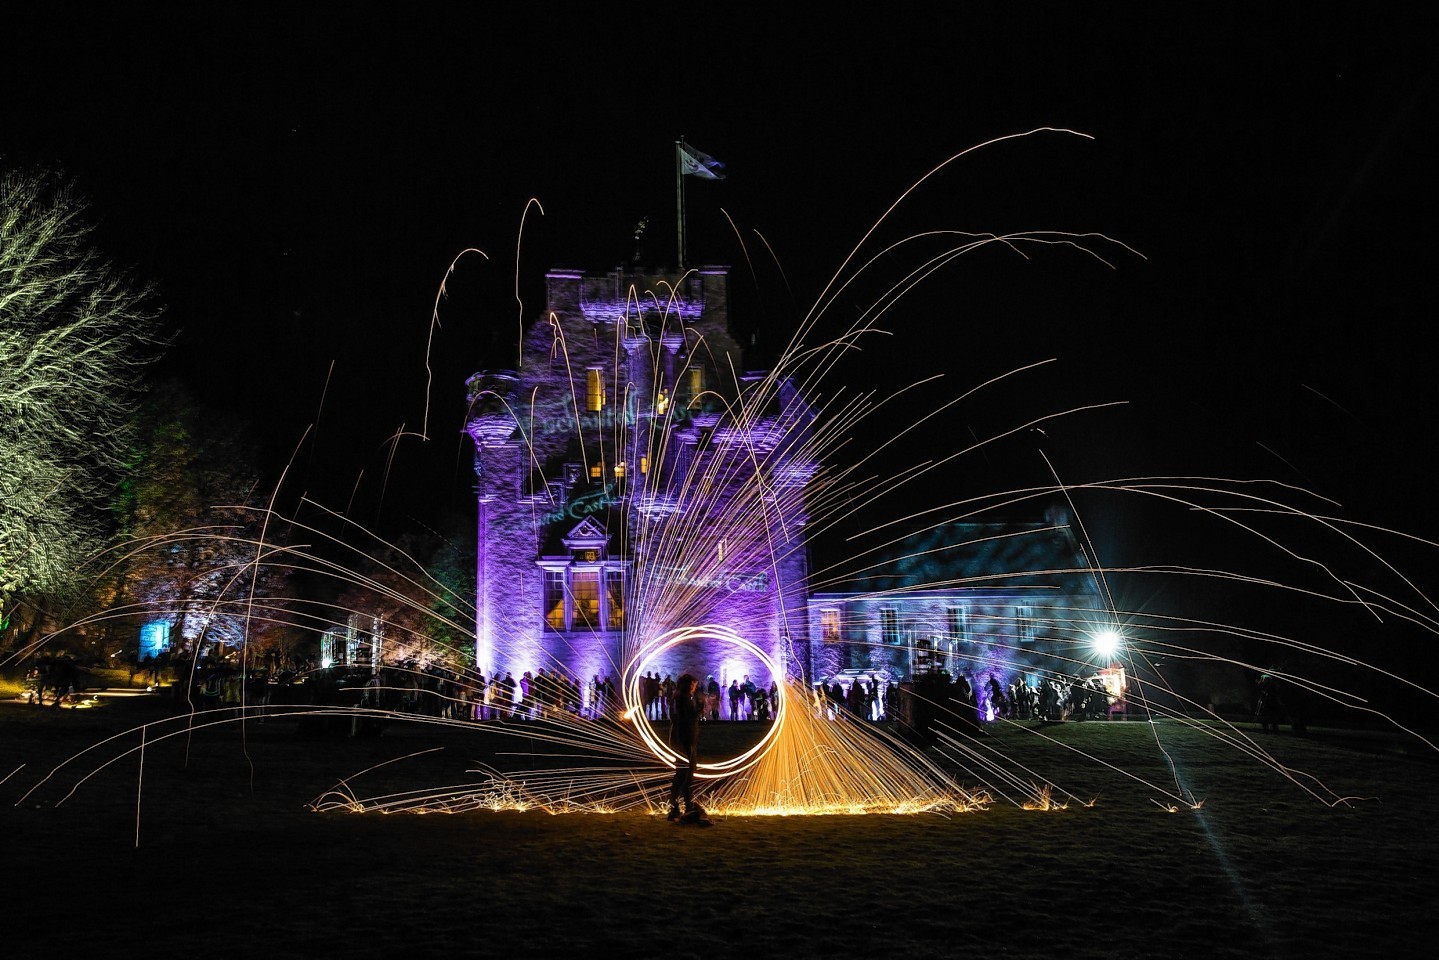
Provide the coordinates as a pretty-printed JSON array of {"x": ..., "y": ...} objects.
[{"x": 635, "y": 709}]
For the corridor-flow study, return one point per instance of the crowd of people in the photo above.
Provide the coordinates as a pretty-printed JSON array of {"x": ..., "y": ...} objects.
[
  {"x": 437, "y": 690},
  {"x": 1054, "y": 698},
  {"x": 864, "y": 699},
  {"x": 741, "y": 700},
  {"x": 1046, "y": 698},
  {"x": 1073, "y": 698},
  {"x": 467, "y": 694}
]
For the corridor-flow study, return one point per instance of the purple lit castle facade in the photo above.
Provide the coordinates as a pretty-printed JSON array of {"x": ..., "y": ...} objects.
[{"x": 631, "y": 480}]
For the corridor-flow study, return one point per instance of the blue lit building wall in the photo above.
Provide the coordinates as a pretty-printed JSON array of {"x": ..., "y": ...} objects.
[{"x": 1018, "y": 602}]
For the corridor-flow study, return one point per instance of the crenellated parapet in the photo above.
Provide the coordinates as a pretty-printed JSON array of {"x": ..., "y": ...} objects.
[{"x": 639, "y": 298}]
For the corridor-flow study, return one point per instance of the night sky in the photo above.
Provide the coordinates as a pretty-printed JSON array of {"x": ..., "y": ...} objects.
[{"x": 295, "y": 185}]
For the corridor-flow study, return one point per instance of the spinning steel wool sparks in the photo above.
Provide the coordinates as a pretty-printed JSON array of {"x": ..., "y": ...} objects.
[{"x": 647, "y": 506}]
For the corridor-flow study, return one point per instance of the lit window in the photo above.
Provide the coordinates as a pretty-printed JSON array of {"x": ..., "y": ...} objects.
[
  {"x": 615, "y": 599},
  {"x": 889, "y": 625},
  {"x": 594, "y": 389},
  {"x": 585, "y": 586},
  {"x": 644, "y": 464},
  {"x": 597, "y": 470},
  {"x": 829, "y": 626},
  {"x": 554, "y": 600},
  {"x": 662, "y": 402},
  {"x": 695, "y": 377},
  {"x": 620, "y": 469}
]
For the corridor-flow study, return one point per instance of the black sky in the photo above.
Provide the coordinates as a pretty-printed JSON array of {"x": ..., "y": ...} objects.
[{"x": 296, "y": 182}]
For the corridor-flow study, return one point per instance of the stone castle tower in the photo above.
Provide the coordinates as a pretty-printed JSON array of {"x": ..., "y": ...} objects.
[{"x": 632, "y": 479}]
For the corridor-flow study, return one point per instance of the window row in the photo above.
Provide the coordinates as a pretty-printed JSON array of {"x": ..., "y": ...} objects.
[
  {"x": 955, "y": 627},
  {"x": 691, "y": 385}
]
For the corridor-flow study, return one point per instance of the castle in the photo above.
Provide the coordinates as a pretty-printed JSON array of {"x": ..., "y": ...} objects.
[{"x": 633, "y": 479}]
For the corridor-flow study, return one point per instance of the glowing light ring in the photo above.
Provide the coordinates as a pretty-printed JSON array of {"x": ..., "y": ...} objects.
[{"x": 634, "y": 704}]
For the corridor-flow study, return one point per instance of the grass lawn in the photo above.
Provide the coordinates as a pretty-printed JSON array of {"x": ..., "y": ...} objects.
[{"x": 231, "y": 863}]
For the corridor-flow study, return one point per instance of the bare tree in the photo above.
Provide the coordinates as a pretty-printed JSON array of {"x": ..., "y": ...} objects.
[{"x": 76, "y": 336}]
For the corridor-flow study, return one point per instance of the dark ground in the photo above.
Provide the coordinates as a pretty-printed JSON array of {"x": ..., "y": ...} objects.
[{"x": 231, "y": 863}]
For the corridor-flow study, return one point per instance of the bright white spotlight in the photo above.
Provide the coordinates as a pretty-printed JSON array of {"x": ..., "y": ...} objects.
[{"x": 1106, "y": 643}]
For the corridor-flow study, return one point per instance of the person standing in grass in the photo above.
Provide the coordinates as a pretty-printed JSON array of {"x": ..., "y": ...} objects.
[{"x": 685, "y": 741}]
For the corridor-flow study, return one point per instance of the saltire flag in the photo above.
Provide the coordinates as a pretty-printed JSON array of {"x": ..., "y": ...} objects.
[{"x": 695, "y": 163}]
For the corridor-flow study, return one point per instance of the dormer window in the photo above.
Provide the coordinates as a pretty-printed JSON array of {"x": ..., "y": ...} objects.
[{"x": 584, "y": 591}]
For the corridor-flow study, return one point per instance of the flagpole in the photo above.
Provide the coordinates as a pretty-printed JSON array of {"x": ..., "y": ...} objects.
[{"x": 680, "y": 201}]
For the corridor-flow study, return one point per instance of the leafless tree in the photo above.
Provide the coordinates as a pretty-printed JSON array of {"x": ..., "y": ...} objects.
[{"x": 76, "y": 336}]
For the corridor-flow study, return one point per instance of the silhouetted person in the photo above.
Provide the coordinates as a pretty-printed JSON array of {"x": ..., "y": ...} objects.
[
  {"x": 968, "y": 703},
  {"x": 1267, "y": 706},
  {"x": 685, "y": 741},
  {"x": 996, "y": 698},
  {"x": 63, "y": 676},
  {"x": 1048, "y": 700},
  {"x": 854, "y": 699},
  {"x": 712, "y": 699}
]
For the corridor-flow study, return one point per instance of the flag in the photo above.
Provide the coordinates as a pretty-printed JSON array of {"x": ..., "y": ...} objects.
[{"x": 699, "y": 164}]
